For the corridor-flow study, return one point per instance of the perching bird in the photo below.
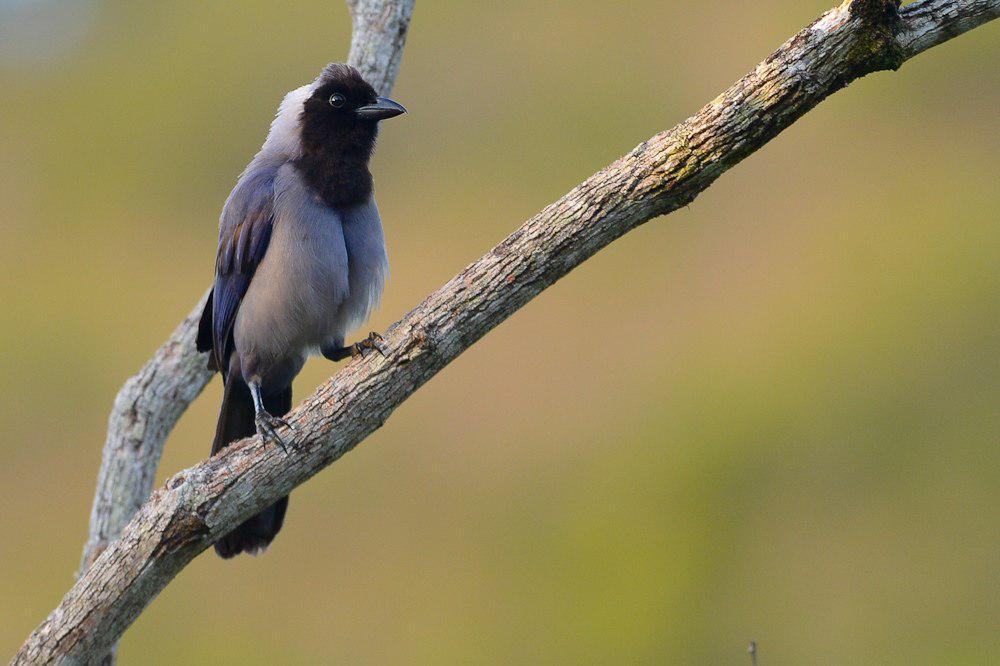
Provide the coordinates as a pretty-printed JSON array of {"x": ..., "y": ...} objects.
[{"x": 301, "y": 262}]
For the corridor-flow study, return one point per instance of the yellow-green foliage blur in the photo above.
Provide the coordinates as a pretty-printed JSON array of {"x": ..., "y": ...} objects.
[{"x": 772, "y": 415}]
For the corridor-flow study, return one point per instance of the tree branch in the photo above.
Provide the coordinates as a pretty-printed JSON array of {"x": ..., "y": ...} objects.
[
  {"x": 666, "y": 172},
  {"x": 146, "y": 409},
  {"x": 934, "y": 22},
  {"x": 150, "y": 403},
  {"x": 377, "y": 39}
]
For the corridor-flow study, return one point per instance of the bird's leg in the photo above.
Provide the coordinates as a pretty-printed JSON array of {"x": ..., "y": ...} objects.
[
  {"x": 335, "y": 353},
  {"x": 267, "y": 425},
  {"x": 373, "y": 341}
]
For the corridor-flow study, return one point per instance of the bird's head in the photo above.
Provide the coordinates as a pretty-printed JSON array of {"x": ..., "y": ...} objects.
[{"x": 343, "y": 111}]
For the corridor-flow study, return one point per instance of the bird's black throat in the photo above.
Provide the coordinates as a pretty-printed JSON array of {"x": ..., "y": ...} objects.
[{"x": 335, "y": 155}]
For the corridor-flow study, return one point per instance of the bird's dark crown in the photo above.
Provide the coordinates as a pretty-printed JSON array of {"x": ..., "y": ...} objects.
[{"x": 336, "y": 142}]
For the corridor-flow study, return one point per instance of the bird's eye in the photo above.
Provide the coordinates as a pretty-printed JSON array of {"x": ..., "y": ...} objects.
[{"x": 337, "y": 100}]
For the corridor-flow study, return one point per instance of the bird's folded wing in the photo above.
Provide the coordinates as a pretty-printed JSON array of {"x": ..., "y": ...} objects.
[{"x": 244, "y": 234}]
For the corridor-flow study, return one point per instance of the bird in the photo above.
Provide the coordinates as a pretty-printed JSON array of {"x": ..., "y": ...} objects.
[{"x": 301, "y": 262}]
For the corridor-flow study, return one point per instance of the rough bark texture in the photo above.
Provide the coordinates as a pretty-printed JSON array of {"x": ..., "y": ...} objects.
[
  {"x": 200, "y": 504},
  {"x": 380, "y": 28},
  {"x": 146, "y": 409},
  {"x": 150, "y": 403},
  {"x": 932, "y": 22}
]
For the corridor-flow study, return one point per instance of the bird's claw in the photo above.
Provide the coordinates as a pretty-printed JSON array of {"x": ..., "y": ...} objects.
[
  {"x": 373, "y": 341},
  {"x": 267, "y": 427}
]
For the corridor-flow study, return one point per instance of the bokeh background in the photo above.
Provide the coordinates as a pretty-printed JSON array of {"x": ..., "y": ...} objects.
[{"x": 771, "y": 415}]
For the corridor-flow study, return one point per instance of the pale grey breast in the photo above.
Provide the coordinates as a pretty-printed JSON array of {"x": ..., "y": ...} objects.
[
  {"x": 368, "y": 266},
  {"x": 321, "y": 277}
]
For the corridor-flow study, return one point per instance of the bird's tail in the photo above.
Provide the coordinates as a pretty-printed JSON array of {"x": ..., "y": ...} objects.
[{"x": 236, "y": 421}]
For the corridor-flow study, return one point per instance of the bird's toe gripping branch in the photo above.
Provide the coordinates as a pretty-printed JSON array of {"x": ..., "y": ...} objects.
[
  {"x": 374, "y": 341},
  {"x": 267, "y": 427}
]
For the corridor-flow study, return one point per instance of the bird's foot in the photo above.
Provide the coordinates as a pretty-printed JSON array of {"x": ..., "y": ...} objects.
[
  {"x": 267, "y": 427},
  {"x": 374, "y": 341}
]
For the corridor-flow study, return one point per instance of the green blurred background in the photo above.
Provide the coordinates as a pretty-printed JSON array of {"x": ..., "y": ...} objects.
[{"x": 771, "y": 415}]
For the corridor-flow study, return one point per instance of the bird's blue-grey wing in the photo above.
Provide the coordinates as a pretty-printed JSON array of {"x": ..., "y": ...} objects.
[{"x": 244, "y": 234}]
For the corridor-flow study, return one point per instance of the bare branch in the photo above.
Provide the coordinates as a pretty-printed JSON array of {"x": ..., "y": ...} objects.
[
  {"x": 380, "y": 28},
  {"x": 933, "y": 22},
  {"x": 199, "y": 505},
  {"x": 150, "y": 403},
  {"x": 146, "y": 409}
]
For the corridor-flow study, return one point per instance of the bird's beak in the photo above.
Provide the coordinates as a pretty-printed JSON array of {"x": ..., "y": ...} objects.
[{"x": 382, "y": 108}]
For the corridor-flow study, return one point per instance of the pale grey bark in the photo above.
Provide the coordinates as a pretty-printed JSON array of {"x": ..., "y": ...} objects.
[
  {"x": 145, "y": 411},
  {"x": 932, "y": 22},
  {"x": 150, "y": 403},
  {"x": 379, "y": 32},
  {"x": 668, "y": 171}
]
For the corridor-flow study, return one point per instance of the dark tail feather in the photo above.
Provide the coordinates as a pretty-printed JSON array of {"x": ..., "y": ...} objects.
[{"x": 236, "y": 421}]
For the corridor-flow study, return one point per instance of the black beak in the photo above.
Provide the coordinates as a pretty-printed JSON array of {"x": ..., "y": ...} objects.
[{"x": 382, "y": 108}]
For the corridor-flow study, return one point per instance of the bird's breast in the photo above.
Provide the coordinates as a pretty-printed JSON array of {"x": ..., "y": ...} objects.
[{"x": 322, "y": 276}]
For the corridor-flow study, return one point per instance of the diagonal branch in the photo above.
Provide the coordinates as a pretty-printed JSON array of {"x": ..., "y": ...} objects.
[
  {"x": 934, "y": 22},
  {"x": 199, "y": 505}
]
